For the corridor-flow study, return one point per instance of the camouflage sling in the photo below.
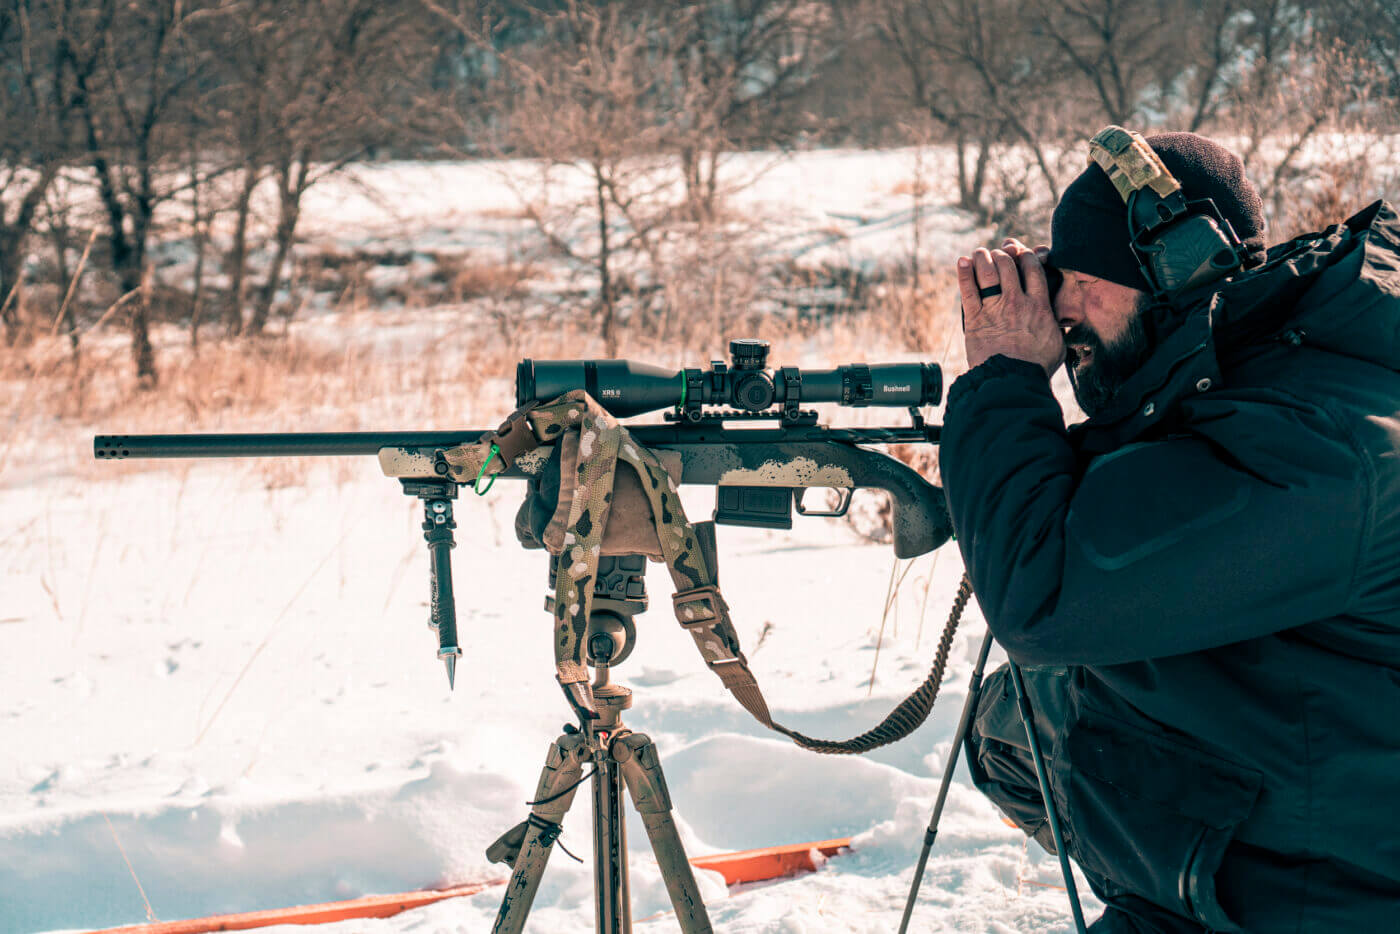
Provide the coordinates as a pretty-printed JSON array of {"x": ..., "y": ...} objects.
[{"x": 688, "y": 551}]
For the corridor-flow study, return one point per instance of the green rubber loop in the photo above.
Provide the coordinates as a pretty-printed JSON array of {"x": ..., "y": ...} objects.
[
  {"x": 495, "y": 452},
  {"x": 680, "y": 406}
]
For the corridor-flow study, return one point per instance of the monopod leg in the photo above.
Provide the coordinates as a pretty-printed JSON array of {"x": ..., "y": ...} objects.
[
  {"x": 559, "y": 781},
  {"x": 641, "y": 767},
  {"x": 974, "y": 691},
  {"x": 1032, "y": 735}
]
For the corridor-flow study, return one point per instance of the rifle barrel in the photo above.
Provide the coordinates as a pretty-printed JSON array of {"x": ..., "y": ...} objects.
[
  {"x": 340, "y": 443},
  {"x": 291, "y": 444}
]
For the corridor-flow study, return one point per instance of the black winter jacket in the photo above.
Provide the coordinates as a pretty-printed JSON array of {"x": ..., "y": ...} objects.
[{"x": 1217, "y": 562}]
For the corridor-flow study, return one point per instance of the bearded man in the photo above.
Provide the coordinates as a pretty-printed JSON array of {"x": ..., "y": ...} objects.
[{"x": 1202, "y": 580}]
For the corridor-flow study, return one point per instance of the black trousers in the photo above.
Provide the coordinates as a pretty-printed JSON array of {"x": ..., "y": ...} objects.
[{"x": 999, "y": 757}]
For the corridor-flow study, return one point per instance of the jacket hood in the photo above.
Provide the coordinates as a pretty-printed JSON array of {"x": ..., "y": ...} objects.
[{"x": 1338, "y": 290}]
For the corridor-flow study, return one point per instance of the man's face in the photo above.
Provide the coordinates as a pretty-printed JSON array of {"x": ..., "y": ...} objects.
[{"x": 1105, "y": 338}]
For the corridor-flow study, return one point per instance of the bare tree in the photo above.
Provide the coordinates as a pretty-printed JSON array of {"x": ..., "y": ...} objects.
[
  {"x": 586, "y": 100},
  {"x": 202, "y": 212},
  {"x": 1370, "y": 28},
  {"x": 252, "y": 40},
  {"x": 322, "y": 91},
  {"x": 1196, "y": 87},
  {"x": 36, "y": 116},
  {"x": 130, "y": 66},
  {"x": 742, "y": 63},
  {"x": 977, "y": 68},
  {"x": 1120, "y": 50},
  {"x": 590, "y": 91}
]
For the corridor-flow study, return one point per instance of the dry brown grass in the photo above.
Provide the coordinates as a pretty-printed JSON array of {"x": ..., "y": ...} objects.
[
  {"x": 1338, "y": 188},
  {"x": 910, "y": 188},
  {"x": 344, "y": 375},
  {"x": 922, "y": 318},
  {"x": 468, "y": 279}
]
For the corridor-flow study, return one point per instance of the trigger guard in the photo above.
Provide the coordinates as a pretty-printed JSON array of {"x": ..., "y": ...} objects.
[{"x": 841, "y": 507}]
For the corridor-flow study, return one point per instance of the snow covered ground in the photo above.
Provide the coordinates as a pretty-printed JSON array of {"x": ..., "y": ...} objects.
[
  {"x": 220, "y": 693},
  {"x": 384, "y": 230},
  {"x": 232, "y": 688},
  {"x": 847, "y": 207}
]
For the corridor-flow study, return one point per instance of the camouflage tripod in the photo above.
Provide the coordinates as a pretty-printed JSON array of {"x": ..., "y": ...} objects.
[{"x": 619, "y": 757}]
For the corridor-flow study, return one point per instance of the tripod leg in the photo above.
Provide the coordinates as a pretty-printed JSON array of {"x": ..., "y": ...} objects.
[
  {"x": 641, "y": 767},
  {"x": 1028, "y": 717},
  {"x": 558, "y": 783},
  {"x": 614, "y": 906},
  {"x": 974, "y": 691}
]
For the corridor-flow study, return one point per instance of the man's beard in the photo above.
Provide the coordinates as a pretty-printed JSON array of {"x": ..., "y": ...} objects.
[{"x": 1098, "y": 375}]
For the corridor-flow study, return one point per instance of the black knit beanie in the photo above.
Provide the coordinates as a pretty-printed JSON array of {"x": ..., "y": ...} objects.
[{"x": 1089, "y": 229}]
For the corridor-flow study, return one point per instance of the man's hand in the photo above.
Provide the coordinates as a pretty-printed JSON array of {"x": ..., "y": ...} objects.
[{"x": 1018, "y": 322}]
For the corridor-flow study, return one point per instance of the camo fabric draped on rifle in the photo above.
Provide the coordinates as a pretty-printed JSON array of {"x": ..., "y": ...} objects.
[
  {"x": 602, "y": 441},
  {"x": 699, "y": 606}
]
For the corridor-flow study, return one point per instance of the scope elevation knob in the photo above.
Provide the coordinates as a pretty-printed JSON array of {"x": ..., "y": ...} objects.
[{"x": 748, "y": 354}]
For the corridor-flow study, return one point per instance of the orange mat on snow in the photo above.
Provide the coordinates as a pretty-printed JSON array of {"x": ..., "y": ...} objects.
[
  {"x": 744, "y": 866},
  {"x": 769, "y": 862}
]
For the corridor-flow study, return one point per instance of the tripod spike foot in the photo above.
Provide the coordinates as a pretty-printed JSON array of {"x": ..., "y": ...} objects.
[{"x": 449, "y": 658}]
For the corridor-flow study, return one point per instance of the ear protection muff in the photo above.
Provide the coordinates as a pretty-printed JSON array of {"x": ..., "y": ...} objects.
[{"x": 1180, "y": 245}]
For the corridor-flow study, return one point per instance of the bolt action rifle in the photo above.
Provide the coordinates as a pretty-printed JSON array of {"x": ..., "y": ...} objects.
[
  {"x": 603, "y": 497},
  {"x": 739, "y": 428}
]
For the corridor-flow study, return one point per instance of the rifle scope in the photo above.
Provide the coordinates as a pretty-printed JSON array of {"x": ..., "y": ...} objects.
[{"x": 626, "y": 388}]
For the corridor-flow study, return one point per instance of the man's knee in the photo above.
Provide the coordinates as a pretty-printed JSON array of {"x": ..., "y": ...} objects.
[{"x": 998, "y": 751}]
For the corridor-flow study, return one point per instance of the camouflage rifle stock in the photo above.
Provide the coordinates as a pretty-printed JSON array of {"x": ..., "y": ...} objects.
[{"x": 759, "y": 473}]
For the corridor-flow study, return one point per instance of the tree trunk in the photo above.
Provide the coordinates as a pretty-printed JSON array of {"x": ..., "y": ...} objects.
[
  {"x": 964, "y": 185},
  {"x": 201, "y": 247},
  {"x": 201, "y": 239},
  {"x": 292, "y": 185},
  {"x": 11, "y": 262},
  {"x": 127, "y": 261},
  {"x": 262, "y": 309},
  {"x": 606, "y": 306},
  {"x": 134, "y": 279},
  {"x": 918, "y": 212},
  {"x": 238, "y": 255},
  {"x": 711, "y": 183},
  {"x": 12, "y": 238},
  {"x": 690, "y": 171},
  {"x": 979, "y": 175},
  {"x": 59, "y": 232}
]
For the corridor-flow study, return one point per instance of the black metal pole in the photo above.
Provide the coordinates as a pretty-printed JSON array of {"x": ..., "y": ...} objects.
[
  {"x": 974, "y": 691},
  {"x": 1028, "y": 717}
]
